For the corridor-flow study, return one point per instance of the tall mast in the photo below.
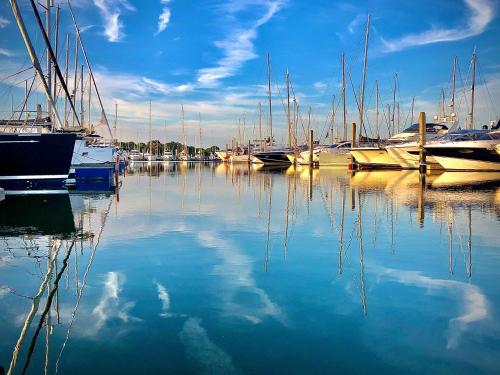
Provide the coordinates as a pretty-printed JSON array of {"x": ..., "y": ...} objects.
[
  {"x": 82, "y": 118},
  {"x": 90, "y": 99},
  {"x": 89, "y": 68},
  {"x": 76, "y": 74},
  {"x": 288, "y": 108},
  {"x": 150, "y": 131},
  {"x": 412, "y": 109},
  {"x": 377, "y": 127},
  {"x": 260, "y": 122},
  {"x": 33, "y": 57},
  {"x": 362, "y": 106},
  {"x": 116, "y": 121},
  {"x": 199, "y": 129},
  {"x": 333, "y": 120},
  {"x": 66, "y": 80},
  {"x": 344, "y": 116},
  {"x": 48, "y": 29},
  {"x": 473, "y": 89},
  {"x": 452, "y": 104},
  {"x": 269, "y": 94},
  {"x": 184, "y": 146},
  {"x": 56, "y": 43},
  {"x": 394, "y": 88}
]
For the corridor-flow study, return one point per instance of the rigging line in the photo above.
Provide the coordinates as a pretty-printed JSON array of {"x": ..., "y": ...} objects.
[
  {"x": 25, "y": 103},
  {"x": 15, "y": 74}
]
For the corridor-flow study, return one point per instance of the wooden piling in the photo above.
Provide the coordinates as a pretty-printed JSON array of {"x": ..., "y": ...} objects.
[
  {"x": 422, "y": 129},
  {"x": 353, "y": 135}
]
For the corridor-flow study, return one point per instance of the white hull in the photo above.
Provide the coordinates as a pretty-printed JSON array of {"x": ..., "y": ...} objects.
[
  {"x": 373, "y": 157},
  {"x": 460, "y": 164},
  {"x": 84, "y": 154},
  {"x": 337, "y": 158},
  {"x": 408, "y": 156},
  {"x": 239, "y": 158}
]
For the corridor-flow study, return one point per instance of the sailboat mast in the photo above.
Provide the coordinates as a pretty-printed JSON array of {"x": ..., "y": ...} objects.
[
  {"x": 76, "y": 74},
  {"x": 116, "y": 121},
  {"x": 260, "y": 122},
  {"x": 473, "y": 89},
  {"x": 33, "y": 57},
  {"x": 184, "y": 145},
  {"x": 66, "y": 72},
  {"x": 394, "y": 88},
  {"x": 56, "y": 43},
  {"x": 377, "y": 127},
  {"x": 199, "y": 129},
  {"x": 344, "y": 116},
  {"x": 269, "y": 95},
  {"x": 150, "y": 131},
  {"x": 452, "y": 104},
  {"x": 82, "y": 118},
  {"x": 288, "y": 108},
  {"x": 412, "y": 109},
  {"x": 90, "y": 98},
  {"x": 48, "y": 29},
  {"x": 56, "y": 65},
  {"x": 89, "y": 67},
  {"x": 333, "y": 120},
  {"x": 365, "y": 58}
]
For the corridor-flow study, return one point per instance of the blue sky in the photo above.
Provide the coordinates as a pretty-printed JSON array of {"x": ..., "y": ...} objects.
[{"x": 210, "y": 56}]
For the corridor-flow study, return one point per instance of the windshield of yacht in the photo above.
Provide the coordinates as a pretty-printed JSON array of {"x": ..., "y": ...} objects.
[
  {"x": 470, "y": 135},
  {"x": 429, "y": 128}
]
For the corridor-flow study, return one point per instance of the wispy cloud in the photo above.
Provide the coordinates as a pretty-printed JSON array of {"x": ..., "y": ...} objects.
[
  {"x": 164, "y": 18},
  {"x": 238, "y": 45},
  {"x": 6, "y": 52},
  {"x": 110, "y": 11},
  {"x": 353, "y": 25},
  {"x": 480, "y": 14},
  {"x": 203, "y": 353},
  {"x": 3, "y": 22}
]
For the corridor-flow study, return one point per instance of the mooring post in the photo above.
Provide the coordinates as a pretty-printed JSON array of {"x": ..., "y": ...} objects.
[
  {"x": 353, "y": 135},
  {"x": 422, "y": 129},
  {"x": 311, "y": 162}
]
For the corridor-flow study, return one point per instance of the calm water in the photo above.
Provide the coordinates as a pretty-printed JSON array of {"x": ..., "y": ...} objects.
[{"x": 220, "y": 270}]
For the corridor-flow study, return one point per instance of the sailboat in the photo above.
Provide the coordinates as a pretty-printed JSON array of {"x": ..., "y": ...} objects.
[
  {"x": 151, "y": 155},
  {"x": 35, "y": 156},
  {"x": 272, "y": 155},
  {"x": 337, "y": 153}
]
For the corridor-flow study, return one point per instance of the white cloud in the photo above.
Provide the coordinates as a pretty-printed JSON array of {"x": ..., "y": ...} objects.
[
  {"x": 110, "y": 11},
  {"x": 164, "y": 18},
  {"x": 481, "y": 13},
  {"x": 164, "y": 297},
  {"x": 3, "y": 22},
  {"x": 238, "y": 46},
  {"x": 203, "y": 352},
  {"x": 6, "y": 52},
  {"x": 353, "y": 25},
  {"x": 474, "y": 302}
]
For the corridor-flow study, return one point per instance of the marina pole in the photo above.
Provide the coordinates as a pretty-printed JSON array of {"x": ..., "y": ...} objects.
[
  {"x": 421, "y": 123},
  {"x": 353, "y": 135}
]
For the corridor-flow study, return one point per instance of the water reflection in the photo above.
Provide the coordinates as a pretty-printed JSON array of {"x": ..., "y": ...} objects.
[{"x": 202, "y": 267}]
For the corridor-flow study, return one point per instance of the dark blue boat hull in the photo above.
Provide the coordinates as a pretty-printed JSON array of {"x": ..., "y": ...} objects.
[{"x": 35, "y": 157}]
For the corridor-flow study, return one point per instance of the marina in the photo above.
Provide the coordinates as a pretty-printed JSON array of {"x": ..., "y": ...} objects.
[{"x": 234, "y": 199}]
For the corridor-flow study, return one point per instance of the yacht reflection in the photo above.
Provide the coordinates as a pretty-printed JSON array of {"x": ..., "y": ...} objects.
[{"x": 45, "y": 215}]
